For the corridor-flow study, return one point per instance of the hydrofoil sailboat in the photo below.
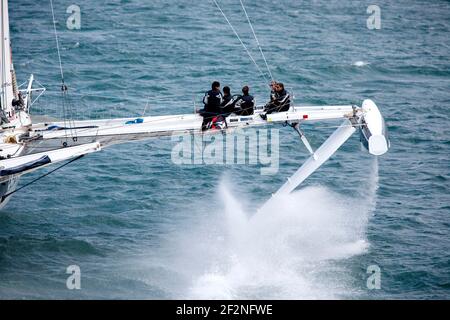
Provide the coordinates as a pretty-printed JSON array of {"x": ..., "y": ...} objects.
[{"x": 26, "y": 146}]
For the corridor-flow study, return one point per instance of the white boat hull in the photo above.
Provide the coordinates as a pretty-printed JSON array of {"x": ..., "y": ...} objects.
[{"x": 7, "y": 186}]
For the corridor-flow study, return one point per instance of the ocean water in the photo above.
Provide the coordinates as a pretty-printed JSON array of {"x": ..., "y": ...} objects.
[{"x": 140, "y": 226}]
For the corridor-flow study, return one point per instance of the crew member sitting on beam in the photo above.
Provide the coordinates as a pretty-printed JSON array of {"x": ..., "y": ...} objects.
[
  {"x": 227, "y": 106},
  {"x": 245, "y": 104},
  {"x": 280, "y": 103}
]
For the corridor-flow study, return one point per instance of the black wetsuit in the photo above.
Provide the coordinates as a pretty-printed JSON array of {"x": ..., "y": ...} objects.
[
  {"x": 212, "y": 101},
  {"x": 247, "y": 105},
  {"x": 281, "y": 103},
  {"x": 227, "y": 105},
  {"x": 273, "y": 95}
]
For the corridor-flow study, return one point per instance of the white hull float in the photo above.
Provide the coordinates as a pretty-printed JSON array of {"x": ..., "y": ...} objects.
[{"x": 373, "y": 132}]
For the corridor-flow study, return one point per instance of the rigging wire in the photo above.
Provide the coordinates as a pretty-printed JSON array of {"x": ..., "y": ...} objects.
[
  {"x": 67, "y": 107},
  {"x": 239, "y": 38},
  {"x": 256, "y": 39},
  {"x": 57, "y": 42}
]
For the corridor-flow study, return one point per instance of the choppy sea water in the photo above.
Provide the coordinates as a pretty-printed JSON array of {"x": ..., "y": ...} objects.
[{"x": 140, "y": 226}]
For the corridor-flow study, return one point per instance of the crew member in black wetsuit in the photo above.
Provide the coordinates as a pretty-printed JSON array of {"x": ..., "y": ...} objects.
[
  {"x": 283, "y": 98},
  {"x": 212, "y": 101},
  {"x": 273, "y": 91},
  {"x": 280, "y": 103},
  {"x": 227, "y": 106},
  {"x": 246, "y": 103}
]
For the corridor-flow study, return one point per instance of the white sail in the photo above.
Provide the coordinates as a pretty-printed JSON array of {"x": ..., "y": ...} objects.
[{"x": 6, "y": 71}]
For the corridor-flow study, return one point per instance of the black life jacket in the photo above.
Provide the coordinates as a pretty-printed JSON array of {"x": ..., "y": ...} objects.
[
  {"x": 212, "y": 101},
  {"x": 248, "y": 104},
  {"x": 226, "y": 100},
  {"x": 283, "y": 101},
  {"x": 228, "y": 105}
]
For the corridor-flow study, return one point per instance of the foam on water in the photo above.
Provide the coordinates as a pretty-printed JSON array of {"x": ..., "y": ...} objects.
[
  {"x": 360, "y": 63},
  {"x": 291, "y": 249}
]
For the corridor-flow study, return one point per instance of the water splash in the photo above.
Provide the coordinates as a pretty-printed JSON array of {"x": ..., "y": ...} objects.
[{"x": 292, "y": 249}]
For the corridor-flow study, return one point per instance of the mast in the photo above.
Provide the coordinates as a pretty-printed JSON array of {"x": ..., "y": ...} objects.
[{"x": 6, "y": 67}]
